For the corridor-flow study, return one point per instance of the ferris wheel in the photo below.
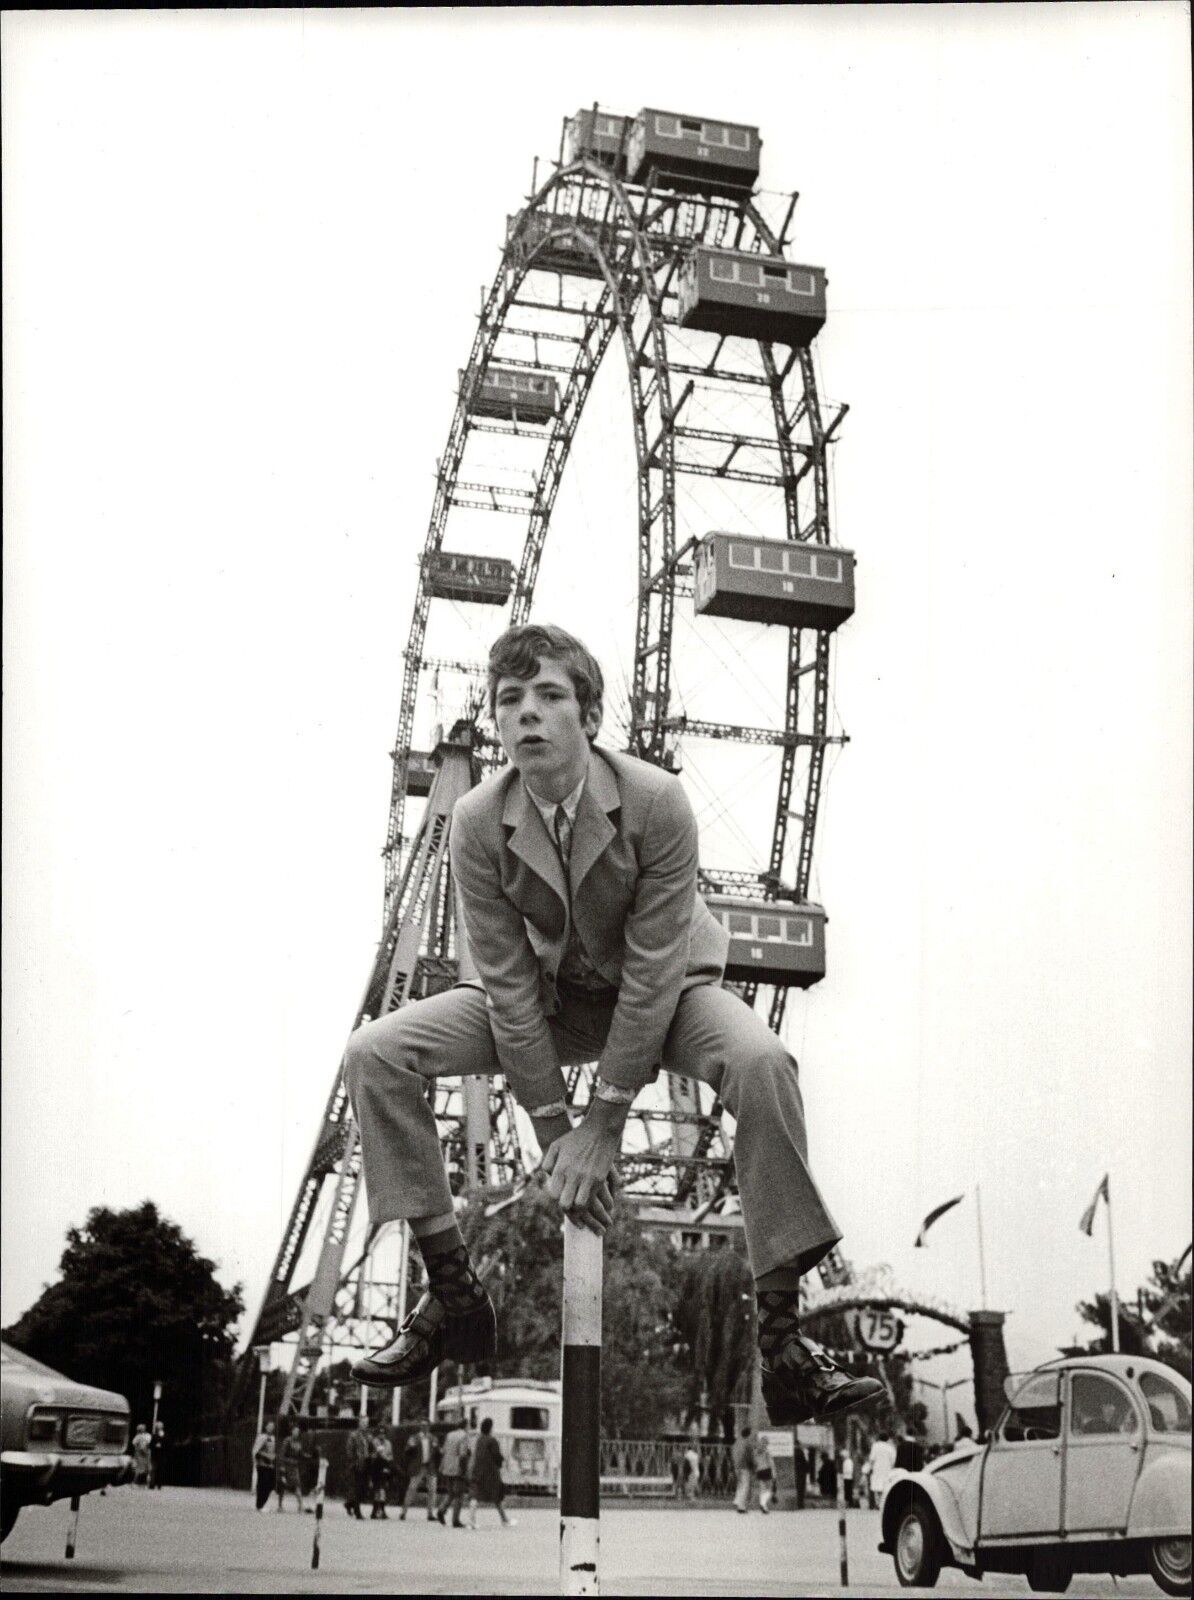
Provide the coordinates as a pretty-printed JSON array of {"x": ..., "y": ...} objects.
[
  {"x": 649, "y": 235},
  {"x": 690, "y": 547}
]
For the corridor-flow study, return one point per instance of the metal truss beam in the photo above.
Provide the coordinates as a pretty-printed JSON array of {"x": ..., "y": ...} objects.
[{"x": 740, "y": 734}]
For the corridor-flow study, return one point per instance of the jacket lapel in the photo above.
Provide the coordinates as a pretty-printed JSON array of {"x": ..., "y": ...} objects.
[
  {"x": 593, "y": 830},
  {"x": 530, "y": 841}
]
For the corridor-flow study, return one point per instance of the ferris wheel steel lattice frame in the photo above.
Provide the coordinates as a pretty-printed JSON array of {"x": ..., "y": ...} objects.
[{"x": 633, "y": 239}]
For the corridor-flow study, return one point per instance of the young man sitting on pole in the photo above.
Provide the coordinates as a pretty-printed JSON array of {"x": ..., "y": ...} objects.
[{"x": 577, "y": 872}]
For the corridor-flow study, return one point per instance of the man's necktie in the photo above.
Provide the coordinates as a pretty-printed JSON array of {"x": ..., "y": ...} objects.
[{"x": 563, "y": 832}]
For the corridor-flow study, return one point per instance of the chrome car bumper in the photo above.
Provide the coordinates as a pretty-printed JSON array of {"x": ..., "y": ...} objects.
[{"x": 49, "y": 1474}]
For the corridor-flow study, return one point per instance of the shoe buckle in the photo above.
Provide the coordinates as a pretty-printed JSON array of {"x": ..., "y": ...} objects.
[{"x": 816, "y": 1353}]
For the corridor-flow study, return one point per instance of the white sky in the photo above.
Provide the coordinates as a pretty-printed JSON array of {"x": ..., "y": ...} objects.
[{"x": 242, "y": 263}]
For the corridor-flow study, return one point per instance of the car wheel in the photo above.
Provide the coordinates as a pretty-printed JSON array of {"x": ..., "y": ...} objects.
[
  {"x": 1169, "y": 1564},
  {"x": 1049, "y": 1572},
  {"x": 917, "y": 1547},
  {"x": 8, "y": 1520}
]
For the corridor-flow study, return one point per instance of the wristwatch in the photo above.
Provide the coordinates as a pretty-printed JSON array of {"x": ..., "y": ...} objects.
[{"x": 611, "y": 1093}]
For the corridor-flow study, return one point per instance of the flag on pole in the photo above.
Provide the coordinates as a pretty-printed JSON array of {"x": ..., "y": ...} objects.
[
  {"x": 1088, "y": 1216},
  {"x": 937, "y": 1211}
]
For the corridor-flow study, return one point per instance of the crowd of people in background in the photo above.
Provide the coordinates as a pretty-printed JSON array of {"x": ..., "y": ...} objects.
[
  {"x": 149, "y": 1452},
  {"x": 455, "y": 1475},
  {"x": 858, "y": 1474},
  {"x": 461, "y": 1474}
]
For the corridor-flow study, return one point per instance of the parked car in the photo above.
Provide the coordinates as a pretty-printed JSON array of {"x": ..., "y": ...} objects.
[
  {"x": 57, "y": 1438},
  {"x": 1087, "y": 1470}
]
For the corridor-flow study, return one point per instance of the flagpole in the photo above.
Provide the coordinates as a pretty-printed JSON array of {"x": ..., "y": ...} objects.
[
  {"x": 982, "y": 1263},
  {"x": 1111, "y": 1263}
]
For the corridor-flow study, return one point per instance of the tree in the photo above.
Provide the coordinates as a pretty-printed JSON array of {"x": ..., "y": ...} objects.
[
  {"x": 135, "y": 1302},
  {"x": 1155, "y": 1323},
  {"x": 520, "y": 1252},
  {"x": 712, "y": 1316}
]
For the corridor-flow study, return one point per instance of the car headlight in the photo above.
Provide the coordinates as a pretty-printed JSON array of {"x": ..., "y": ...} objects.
[
  {"x": 42, "y": 1429},
  {"x": 115, "y": 1431}
]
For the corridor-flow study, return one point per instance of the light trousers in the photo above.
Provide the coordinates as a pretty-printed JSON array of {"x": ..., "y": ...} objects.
[{"x": 714, "y": 1037}]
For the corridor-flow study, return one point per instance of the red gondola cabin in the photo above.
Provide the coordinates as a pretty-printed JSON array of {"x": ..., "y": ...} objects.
[
  {"x": 515, "y": 395},
  {"x": 772, "y": 941},
  {"x": 485, "y": 580},
  {"x": 693, "y": 154},
  {"x": 601, "y": 139},
  {"x": 752, "y": 296},
  {"x": 559, "y": 249},
  {"x": 773, "y": 580}
]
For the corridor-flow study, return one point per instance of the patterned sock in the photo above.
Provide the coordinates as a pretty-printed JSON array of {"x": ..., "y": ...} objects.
[
  {"x": 778, "y": 1318},
  {"x": 450, "y": 1273}
]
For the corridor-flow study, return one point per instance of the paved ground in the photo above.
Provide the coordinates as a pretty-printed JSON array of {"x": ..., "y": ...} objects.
[{"x": 211, "y": 1541}]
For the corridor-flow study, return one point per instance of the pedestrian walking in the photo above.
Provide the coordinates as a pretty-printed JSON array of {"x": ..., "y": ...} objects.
[
  {"x": 141, "y": 1442},
  {"x": 881, "y": 1462},
  {"x": 290, "y": 1461},
  {"x": 744, "y": 1466},
  {"x": 800, "y": 1468},
  {"x": 381, "y": 1467},
  {"x": 157, "y": 1455},
  {"x": 764, "y": 1474},
  {"x": 422, "y": 1466},
  {"x": 827, "y": 1477},
  {"x": 485, "y": 1476},
  {"x": 453, "y": 1474},
  {"x": 358, "y": 1468},
  {"x": 848, "y": 1477},
  {"x": 265, "y": 1459},
  {"x": 692, "y": 1471}
]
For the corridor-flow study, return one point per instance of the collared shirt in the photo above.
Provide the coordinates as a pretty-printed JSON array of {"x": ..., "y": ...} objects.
[
  {"x": 576, "y": 967},
  {"x": 547, "y": 808}
]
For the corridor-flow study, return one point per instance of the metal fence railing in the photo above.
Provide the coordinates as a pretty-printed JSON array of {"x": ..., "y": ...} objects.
[{"x": 649, "y": 1466}]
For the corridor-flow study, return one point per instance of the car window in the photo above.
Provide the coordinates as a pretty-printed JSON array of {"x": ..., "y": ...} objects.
[
  {"x": 1036, "y": 1413},
  {"x": 1099, "y": 1406},
  {"x": 1168, "y": 1408}
]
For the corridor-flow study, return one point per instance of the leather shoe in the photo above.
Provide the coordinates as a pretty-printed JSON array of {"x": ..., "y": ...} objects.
[
  {"x": 429, "y": 1334},
  {"x": 801, "y": 1383}
]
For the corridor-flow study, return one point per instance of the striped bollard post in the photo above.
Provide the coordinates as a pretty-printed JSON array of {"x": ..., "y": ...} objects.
[
  {"x": 72, "y": 1533},
  {"x": 843, "y": 1558},
  {"x": 320, "y": 1483},
  {"x": 580, "y": 1434}
]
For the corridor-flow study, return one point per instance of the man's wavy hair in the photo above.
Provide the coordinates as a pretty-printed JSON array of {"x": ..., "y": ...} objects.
[{"x": 518, "y": 652}]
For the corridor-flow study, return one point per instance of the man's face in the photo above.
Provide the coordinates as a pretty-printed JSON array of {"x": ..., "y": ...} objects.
[{"x": 541, "y": 730}]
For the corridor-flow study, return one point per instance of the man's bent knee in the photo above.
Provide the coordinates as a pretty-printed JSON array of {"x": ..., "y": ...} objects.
[{"x": 363, "y": 1057}]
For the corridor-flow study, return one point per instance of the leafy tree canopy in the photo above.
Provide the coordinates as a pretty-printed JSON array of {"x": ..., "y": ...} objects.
[
  {"x": 520, "y": 1252},
  {"x": 135, "y": 1302},
  {"x": 1154, "y": 1322}
]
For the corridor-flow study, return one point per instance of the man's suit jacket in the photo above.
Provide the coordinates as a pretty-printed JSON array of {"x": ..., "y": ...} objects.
[{"x": 632, "y": 893}]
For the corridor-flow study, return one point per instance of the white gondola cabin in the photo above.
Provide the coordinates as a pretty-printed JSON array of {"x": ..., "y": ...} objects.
[
  {"x": 693, "y": 154},
  {"x": 772, "y": 941},
  {"x": 795, "y": 585},
  {"x": 515, "y": 395},
  {"x": 486, "y": 580},
  {"x": 734, "y": 292}
]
